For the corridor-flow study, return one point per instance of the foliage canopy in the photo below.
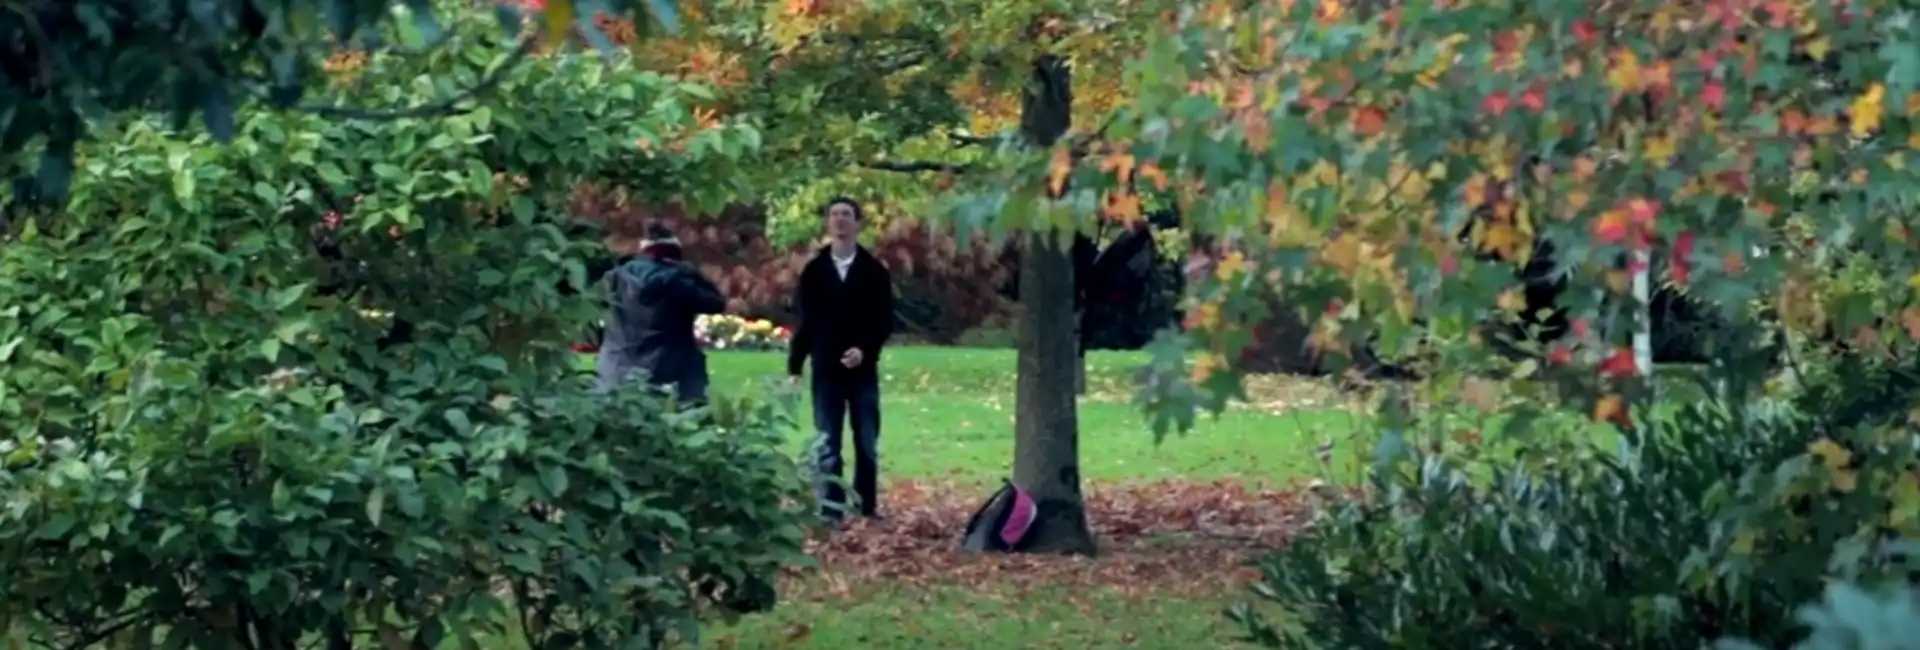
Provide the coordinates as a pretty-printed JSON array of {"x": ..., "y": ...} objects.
[{"x": 208, "y": 442}]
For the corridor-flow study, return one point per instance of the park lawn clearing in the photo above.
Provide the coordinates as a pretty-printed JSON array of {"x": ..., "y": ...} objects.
[
  {"x": 947, "y": 415},
  {"x": 1176, "y": 520}
]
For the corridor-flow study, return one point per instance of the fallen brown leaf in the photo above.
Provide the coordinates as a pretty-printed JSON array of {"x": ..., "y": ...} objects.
[{"x": 1155, "y": 539}]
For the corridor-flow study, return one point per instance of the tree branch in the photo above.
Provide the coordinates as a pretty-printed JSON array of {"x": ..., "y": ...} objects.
[
  {"x": 905, "y": 62},
  {"x": 966, "y": 140},
  {"x": 916, "y": 166},
  {"x": 1079, "y": 148}
]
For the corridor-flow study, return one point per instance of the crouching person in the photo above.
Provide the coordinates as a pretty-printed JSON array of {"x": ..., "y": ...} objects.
[{"x": 655, "y": 298}]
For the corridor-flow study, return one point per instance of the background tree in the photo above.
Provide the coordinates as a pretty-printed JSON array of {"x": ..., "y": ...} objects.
[
  {"x": 70, "y": 67},
  {"x": 947, "y": 91},
  {"x": 1334, "y": 153}
]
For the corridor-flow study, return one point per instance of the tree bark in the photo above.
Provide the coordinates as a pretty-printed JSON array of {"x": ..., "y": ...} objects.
[{"x": 1046, "y": 451}]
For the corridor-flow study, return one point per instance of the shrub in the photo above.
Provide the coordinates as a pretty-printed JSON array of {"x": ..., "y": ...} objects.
[
  {"x": 583, "y": 521},
  {"x": 1592, "y": 548},
  {"x": 207, "y": 443}
]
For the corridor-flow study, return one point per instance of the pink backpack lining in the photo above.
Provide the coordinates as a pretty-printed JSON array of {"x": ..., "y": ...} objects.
[{"x": 1019, "y": 519}]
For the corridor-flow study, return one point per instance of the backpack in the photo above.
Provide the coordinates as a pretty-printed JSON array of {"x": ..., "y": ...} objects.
[{"x": 1002, "y": 523}]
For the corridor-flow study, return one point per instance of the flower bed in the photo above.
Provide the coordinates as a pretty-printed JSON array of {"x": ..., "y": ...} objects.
[
  {"x": 725, "y": 332},
  {"x": 729, "y": 332}
]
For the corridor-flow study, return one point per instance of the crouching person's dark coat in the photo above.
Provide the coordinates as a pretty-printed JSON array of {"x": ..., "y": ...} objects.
[{"x": 650, "y": 326}]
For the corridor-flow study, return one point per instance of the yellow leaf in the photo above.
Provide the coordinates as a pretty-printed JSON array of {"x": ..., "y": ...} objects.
[
  {"x": 1624, "y": 74},
  {"x": 1618, "y": 281},
  {"x": 1743, "y": 542},
  {"x": 1504, "y": 241},
  {"x": 1863, "y": 115},
  {"x": 1830, "y": 453},
  {"x": 1525, "y": 368},
  {"x": 1609, "y": 408},
  {"x": 1659, "y": 150},
  {"x": 1233, "y": 265},
  {"x": 1845, "y": 480},
  {"x": 1819, "y": 47},
  {"x": 1121, "y": 165},
  {"x": 1342, "y": 253},
  {"x": 1205, "y": 366},
  {"x": 559, "y": 20},
  {"x": 1836, "y": 459},
  {"x": 1906, "y": 501},
  {"x": 1475, "y": 191},
  {"x": 1323, "y": 174},
  {"x": 1058, "y": 170},
  {"x": 1511, "y": 301},
  {"x": 1209, "y": 315}
]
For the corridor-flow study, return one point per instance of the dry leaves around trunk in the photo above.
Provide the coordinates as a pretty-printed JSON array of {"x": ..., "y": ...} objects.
[{"x": 1155, "y": 538}]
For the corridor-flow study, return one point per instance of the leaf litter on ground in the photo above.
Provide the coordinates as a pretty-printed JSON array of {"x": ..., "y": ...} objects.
[{"x": 1158, "y": 539}]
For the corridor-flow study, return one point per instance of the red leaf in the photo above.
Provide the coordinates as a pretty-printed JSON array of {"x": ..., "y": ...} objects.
[
  {"x": 1584, "y": 30},
  {"x": 1643, "y": 211},
  {"x": 1714, "y": 95},
  {"x": 1619, "y": 364},
  {"x": 1535, "y": 98},
  {"x": 1506, "y": 42},
  {"x": 1496, "y": 103},
  {"x": 1369, "y": 120},
  {"x": 1681, "y": 265}
]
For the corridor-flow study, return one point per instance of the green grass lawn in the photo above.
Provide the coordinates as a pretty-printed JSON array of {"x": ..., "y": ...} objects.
[
  {"x": 947, "y": 414},
  {"x": 948, "y": 432}
]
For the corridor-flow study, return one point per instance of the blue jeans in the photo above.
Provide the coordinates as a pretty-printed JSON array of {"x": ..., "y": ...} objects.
[{"x": 837, "y": 398}]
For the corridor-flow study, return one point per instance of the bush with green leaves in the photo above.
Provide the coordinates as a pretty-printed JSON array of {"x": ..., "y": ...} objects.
[
  {"x": 207, "y": 443},
  {"x": 72, "y": 65},
  {"x": 1716, "y": 518}
]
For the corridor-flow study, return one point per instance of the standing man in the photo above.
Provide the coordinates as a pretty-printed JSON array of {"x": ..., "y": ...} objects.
[{"x": 845, "y": 305}]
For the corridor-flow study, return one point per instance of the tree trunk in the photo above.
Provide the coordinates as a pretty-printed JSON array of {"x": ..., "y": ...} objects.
[
  {"x": 1080, "y": 354},
  {"x": 1046, "y": 450}
]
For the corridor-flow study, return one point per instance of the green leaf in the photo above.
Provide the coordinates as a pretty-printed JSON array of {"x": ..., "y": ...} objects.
[
  {"x": 524, "y": 210},
  {"x": 376, "y": 505},
  {"x": 55, "y": 527},
  {"x": 554, "y": 479},
  {"x": 457, "y": 419}
]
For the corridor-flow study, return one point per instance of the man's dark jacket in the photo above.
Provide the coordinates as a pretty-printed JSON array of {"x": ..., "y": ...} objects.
[
  {"x": 837, "y": 314},
  {"x": 650, "y": 325}
]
